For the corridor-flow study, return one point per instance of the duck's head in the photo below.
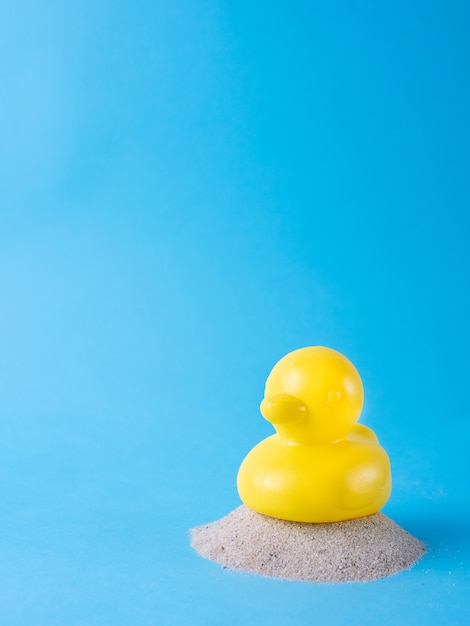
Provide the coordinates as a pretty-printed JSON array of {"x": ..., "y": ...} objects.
[{"x": 313, "y": 394}]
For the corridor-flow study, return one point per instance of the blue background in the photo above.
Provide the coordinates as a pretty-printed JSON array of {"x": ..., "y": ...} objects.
[{"x": 190, "y": 189}]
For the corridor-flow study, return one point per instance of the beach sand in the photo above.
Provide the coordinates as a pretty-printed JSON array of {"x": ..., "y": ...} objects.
[{"x": 362, "y": 549}]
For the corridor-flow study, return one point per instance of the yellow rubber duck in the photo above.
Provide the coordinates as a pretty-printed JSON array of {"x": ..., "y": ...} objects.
[{"x": 320, "y": 466}]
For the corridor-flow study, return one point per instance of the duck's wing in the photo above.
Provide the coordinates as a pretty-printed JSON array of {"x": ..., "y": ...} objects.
[{"x": 362, "y": 433}]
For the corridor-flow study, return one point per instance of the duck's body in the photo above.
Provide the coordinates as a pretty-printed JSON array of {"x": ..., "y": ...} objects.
[
  {"x": 316, "y": 483},
  {"x": 304, "y": 472}
]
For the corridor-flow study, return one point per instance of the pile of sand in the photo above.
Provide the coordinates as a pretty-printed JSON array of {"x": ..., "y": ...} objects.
[{"x": 358, "y": 550}]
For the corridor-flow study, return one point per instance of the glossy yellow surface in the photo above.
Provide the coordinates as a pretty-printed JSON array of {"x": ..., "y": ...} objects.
[{"x": 320, "y": 466}]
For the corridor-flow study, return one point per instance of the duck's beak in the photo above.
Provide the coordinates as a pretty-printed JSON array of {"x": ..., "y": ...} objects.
[{"x": 283, "y": 409}]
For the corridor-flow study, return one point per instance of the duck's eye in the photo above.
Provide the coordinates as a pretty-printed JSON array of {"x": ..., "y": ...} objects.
[{"x": 334, "y": 396}]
